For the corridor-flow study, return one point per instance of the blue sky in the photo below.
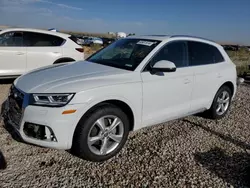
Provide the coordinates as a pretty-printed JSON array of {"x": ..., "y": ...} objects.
[{"x": 221, "y": 20}]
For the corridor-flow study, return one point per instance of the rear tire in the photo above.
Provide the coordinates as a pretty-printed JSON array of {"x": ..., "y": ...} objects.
[
  {"x": 94, "y": 138},
  {"x": 221, "y": 103}
]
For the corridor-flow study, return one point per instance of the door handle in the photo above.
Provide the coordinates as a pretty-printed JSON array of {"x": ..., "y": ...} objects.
[
  {"x": 186, "y": 81},
  {"x": 57, "y": 53},
  {"x": 219, "y": 75},
  {"x": 20, "y": 53}
]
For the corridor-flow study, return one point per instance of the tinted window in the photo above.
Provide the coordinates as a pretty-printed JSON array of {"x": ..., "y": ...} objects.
[
  {"x": 202, "y": 54},
  {"x": 217, "y": 55},
  {"x": 40, "y": 39},
  {"x": 174, "y": 52},
  {"x": 11, "y": 39}
]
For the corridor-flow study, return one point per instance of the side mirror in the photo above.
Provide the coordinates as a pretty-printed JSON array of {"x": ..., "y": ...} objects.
[{"x": 164, "y": 66}]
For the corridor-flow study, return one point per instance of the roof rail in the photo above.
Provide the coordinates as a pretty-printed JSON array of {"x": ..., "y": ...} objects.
[{"x": 175, "y": 36}]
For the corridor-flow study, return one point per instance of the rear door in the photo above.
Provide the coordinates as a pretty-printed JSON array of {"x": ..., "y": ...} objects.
[
  {"x": 42, "y": 49},
  {"x": 12, "y": 54},
  {"x": 206, "y": 62}
]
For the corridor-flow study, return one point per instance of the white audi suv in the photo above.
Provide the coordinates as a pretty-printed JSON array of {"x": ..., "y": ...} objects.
[{"x": 89, "y": 107}]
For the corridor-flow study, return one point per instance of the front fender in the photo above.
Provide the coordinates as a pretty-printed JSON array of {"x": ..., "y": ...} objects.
[
  {"x": 134, "y": 103},
  {"x": 131, "y": 94}
]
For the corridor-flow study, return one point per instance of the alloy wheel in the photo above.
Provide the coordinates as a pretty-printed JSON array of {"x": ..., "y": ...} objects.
[
  {"x": 223, "y": 101},
  {"x": 105, "y": 135}
]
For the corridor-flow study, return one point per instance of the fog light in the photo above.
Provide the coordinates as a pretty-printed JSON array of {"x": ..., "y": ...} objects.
[{"x": 40, "y": 132}]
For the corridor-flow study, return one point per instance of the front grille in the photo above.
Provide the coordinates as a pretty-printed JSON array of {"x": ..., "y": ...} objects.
[
  {"x": 15, "y": 105},
  {"x": 16, "y": 95}
]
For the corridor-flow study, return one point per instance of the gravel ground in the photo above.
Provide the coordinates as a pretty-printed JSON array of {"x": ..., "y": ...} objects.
[{"x": 191, "y": 152}]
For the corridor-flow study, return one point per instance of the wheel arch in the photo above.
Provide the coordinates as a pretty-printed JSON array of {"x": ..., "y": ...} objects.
[
  {"x": 124, "y": 106},
  {"x": 228, "y": 84},
  {"x": 64, "y": 60}
]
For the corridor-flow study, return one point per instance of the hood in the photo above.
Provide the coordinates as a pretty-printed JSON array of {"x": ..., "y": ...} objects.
[{"x": 73, "y": 77}]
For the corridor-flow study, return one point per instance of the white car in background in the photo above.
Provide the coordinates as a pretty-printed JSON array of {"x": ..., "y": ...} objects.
[
  {"x": 81, "y": 39},
  {"x": 93, "y": 40},
  {"x": 90, "y": 106},
  {"x": 121, "y": 35},
  {"x": 22, "y": 50}
]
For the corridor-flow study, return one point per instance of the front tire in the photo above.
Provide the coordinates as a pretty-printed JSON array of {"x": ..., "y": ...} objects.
[
  {"x": 221, "y": 103},
  {"x": 101, "y": 134}
]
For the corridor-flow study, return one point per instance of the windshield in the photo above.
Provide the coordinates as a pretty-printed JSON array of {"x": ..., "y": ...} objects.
[{"x": 124, "y": 53}]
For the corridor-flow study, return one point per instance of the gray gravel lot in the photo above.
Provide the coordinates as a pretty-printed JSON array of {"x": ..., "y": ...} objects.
[{"x": 191, "y": 152}]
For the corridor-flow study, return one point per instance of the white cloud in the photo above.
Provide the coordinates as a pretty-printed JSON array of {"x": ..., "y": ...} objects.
[
  {"x": 28, "y": 13},
  {"x": 16, "y": 2},
  {"x": 27, "y": 2},
  {"x": 69, "y": 7},
  {"x": 57, "y": 4}
]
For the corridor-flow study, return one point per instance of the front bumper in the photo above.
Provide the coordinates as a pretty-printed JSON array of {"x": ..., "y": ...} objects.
[{"x": 62, "y": 126}]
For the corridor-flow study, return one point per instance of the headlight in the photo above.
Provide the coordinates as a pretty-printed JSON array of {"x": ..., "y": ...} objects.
[{"x": 52, "y": 99}]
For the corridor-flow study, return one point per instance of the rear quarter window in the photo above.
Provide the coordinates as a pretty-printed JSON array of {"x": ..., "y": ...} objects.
[
  {"x": 74, "y": 39},
  {"x": 217, "y": 55}
]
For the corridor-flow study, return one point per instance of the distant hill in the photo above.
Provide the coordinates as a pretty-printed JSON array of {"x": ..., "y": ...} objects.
[{"x": 3, "y": 26}]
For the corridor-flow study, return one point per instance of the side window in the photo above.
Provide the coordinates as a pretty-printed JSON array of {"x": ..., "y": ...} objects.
[
  {"x": 203, "y": 54},
  {"x": 174, "y": 52},
  {"x": 11, "y": 39},
  {"x": 41, "y": 40}
]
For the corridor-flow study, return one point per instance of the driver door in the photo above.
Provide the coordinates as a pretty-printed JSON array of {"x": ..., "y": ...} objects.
[
  {"x": 167, "y": 95},
  {"x": 12, "y": 54}
]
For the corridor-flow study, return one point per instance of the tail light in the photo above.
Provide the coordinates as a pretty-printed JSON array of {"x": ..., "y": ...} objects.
[{"x": 80, "y": 50}]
